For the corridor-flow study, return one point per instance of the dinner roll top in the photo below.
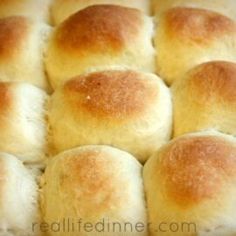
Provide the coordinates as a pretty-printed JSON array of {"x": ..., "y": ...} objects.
[
  {"x": 21, "y": 50},
  {"x": 126, "y": 109},
  {"x": 225, "y": 7},
  {"x": 100, "y": 37},
  {"x": 101, "y": 183},
  {"x": 18, "y": 197},
  {"x": 35, "y": 9},
  {"x": 206, "y": 99},
  {"x": 186, "y": 37},
  {"x": 62, "y": 9},
  {"x": 192, "y": 180},
  {"x": 22, "y": 121}
]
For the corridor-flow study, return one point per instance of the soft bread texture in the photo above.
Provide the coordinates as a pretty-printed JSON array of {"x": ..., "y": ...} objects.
[
  {"x": 186, "y": 37},
  {"x": 62, "y": 9},
  {"x": 100, "y": 37},
  {"x": 192, "y": 179},
  {"x": 22, "y": 42},
  {"x": 35, "y": 9},
  {"x": 18, "y": 198},
  {"x": 22, "y": 121},
  {"x": 225, "y": 7},
  {"x": 90, "y": 184},
  {"x": 206, "y": 99},
  {"x": 125, "y": 109}
]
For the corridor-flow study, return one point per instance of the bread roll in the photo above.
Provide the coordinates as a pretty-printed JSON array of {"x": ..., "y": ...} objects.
[
  {"x": 225, "y": 7},
  {"x": 206, "y": 99},
  {"x": 190, "y": 186},
  {"x": 187, "y": 37},
  {"x": 100, "y": 37},
  {"x": 62, "y": 9},
  {"x": 94, "y": 184},
  {"x": 35, "y": 9},
  {"x": 21, "y": 50},
  {"x": 18, "y": 204},
  {"x": 22, "y": 121},
  {"x": 125, "y": 109}
]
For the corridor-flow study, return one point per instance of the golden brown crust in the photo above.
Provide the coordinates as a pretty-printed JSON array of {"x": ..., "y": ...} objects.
[
  {"x": 8, "y": 2},
  {"x": 194, "y": 169},
  {"x": 12, "y": 34},
  {"x": 5, "y": 97},
  {"x": 99, "y": 27},
  {"x": 114, "y": 94},
  {"x": 86, "y": 171},
  {"x": 92, "y": 171},
  {"x": 197, "y": 25},
  {"x": 214, "y": 80}
]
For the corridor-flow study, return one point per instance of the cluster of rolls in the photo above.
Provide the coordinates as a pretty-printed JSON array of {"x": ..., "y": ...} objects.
[{"x": 117, "y": 117}]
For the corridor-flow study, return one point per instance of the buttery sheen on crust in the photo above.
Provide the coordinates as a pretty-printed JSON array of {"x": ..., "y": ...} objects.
[
  {"x": 100, "y": 37},
  {"x": 225, "y": 7},
  {"x": 92, "y": 184},
  {"x": 35, "y": 9},
  {"x": 206, "y": 99},
  {"x": 18, "y": 197},
  {"x": 126, "y": 109},
  {"x": 21, "y": 50},
  {"x": 62, "y": 9},
  {"x": 22, "y": 121},
  {"x": 192, "y": 179},
  {"x": 186, "y": 37}
]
